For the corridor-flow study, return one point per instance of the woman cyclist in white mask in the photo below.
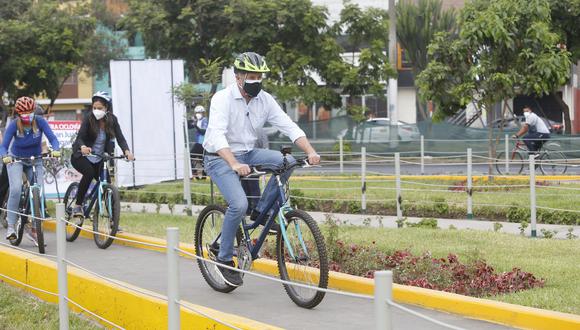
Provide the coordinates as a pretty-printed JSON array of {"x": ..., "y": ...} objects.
[{"x": 98, "y": 129}]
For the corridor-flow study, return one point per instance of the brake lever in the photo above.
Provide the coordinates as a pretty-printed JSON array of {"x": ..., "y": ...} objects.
[{"x": 255, "y": 173}]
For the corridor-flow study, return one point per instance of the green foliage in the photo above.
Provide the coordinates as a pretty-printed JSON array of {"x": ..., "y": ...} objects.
[
  {"x": 401, "y": 222},
  {"x": 429, "y": 223},
  {"x": 546, "y": 233},
  {"x": 565, "y": 17},
  {"x": 497, "y": 226},
  {"x": 523, "y": 225},
  {"x": 43, "y": 43},
  {"x": 504, "y": 48},
  {"x": 570, "y": 233}
]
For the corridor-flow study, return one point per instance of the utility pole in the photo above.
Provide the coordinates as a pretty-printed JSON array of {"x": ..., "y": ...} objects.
[{"x": 393, "y": 85}]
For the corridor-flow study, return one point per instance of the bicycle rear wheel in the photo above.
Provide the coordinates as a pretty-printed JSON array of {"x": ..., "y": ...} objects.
[
  {"x": 37, "y": 218},
  {"x": 553, "y": 163},
  {"x": 515, "y": 161},
  {"x": 207, "y": 240},
  {"x": 70, "y": 196},
  {"x": 106, "y": 217},
  {"x": 306, "y": 261}
]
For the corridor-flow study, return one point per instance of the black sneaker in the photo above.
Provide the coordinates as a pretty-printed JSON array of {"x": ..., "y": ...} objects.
[
  {"x": 275, "y": 226},
  {"x": 231, "y": 277}
]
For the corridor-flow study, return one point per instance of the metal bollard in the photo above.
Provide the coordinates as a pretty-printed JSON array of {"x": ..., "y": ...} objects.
[
  {"x": 469, "y": 185},
  {"x": 398, "y": 185},
  {"x": 422, "y": 155},
  {"x": 187, "y": 178},
  {"x": 533, "y": 194},
  {"x": 383, "y": 292},
  {"x": 61, "y": 265},
  {"x": 341, "y": 154},
  {"x": 173, "y": 308},
  {"x": 363, "y": 169},
  {"x": 507, "y": 152}
]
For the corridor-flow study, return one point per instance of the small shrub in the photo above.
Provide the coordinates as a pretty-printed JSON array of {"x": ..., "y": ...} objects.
[
  {"x": 440, "y": 206},
  {"x": 429, "y": 223},
  {"x": 497, "y": 226},
  {"x": 157, "y": 207},
  {"x": 452, "y": 227},
  {"x": 523, "y": 225},
  {"x": 570, "y": 233},
  {"x": 401, "y": 222},
  {"x": 171, "y": 206},
  {"x": 548, "y": 233},
  {"x": 367, "y": 222}
]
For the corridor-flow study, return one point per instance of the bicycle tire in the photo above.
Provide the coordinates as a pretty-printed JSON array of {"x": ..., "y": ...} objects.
[
  {"x": 107, "y": 222},
  {"x": 22, "y": 219},
  {"x": 553, "y": 163},
  {"x": 310, "y": 265},
  {"x": 516, "y": 163},
  {"x": 208, "y": 226},
  {"x": 37, "y": 219},
  {"x": 72, "y": 232},
  {"x": 3, "y": 211}
]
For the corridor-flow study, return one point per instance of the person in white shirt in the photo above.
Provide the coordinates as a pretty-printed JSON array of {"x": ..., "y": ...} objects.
[
  {"x": 237, "y": 113},
  {"x": 535, "y": 130}
]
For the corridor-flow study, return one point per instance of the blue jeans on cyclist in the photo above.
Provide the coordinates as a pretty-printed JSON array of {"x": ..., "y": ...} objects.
[
  {"x": 228, "y": 182},
  {"x": 534, "y": 141},
  {"x": 15, "y": 171}
]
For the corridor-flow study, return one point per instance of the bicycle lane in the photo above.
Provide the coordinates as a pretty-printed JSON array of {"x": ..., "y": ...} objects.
[{"x": 257, "y": 299}]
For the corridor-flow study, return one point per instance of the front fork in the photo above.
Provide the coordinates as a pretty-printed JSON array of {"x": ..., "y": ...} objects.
[{"x": 281, "y": 218}]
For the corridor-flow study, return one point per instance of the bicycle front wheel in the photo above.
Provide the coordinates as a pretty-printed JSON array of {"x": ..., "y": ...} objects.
[
  {"x": 207, "y": 242},
  {"x": 37, "y": 218},
  {"x": 553, "y": 163},
  {"x": 106, "y": 216},
  {"x": 302, "y": 259},
  {"x": 70, "y": 196},
  {"x": 515, "y": 162}
]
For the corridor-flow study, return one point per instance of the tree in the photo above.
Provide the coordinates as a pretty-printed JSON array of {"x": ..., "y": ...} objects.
[
  {"x": 42, "y": 43},
  {"x": 417, "y": 24},
  {"x": 189, "y": 30},
  {"x": 504, "y": 48}
]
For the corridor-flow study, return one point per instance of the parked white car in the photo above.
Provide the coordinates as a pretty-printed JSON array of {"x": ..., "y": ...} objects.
[{"x": 377, "y": 130}]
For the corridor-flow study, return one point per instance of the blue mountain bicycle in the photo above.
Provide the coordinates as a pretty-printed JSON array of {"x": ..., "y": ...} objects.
[
  {"x": 102, "y": 204},
  {"x": 31, "y": 205},
  {"x": 300, "y": 248}
]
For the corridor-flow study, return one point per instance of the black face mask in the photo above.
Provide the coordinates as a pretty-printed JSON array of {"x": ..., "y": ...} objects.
[{"x": 252, "y": 87}]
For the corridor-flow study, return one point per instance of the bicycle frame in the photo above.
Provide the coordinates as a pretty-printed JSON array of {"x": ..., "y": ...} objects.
[
  {"x": 97, "y": 193},
  {"x": 32, "y": 186}
]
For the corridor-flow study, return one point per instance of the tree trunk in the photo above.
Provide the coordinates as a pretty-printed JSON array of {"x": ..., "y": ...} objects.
[
  {"x": 566, "y": 111},
  {"x": 421, "y": 107},
  {"x": 491, "y": 145}
]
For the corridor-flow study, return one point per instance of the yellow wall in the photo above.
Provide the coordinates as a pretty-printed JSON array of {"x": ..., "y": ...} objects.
[{"x": 85, "y": 86}]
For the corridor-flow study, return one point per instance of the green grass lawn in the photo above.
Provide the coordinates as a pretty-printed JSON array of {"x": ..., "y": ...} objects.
[
  {"x": 20, "y": 310},
  {"x": 557, "y": 261},
  {"x": 415, "y": 191}
]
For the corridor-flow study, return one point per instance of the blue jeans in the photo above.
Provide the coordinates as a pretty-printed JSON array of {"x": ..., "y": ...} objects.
[
  {"x": 535, "y": 140},
  {"x": 15, "y": 171},
  {"x": 228, "y": 182}
]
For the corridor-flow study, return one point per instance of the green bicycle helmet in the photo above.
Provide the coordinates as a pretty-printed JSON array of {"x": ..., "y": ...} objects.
[{"x": 251, "y": 62}]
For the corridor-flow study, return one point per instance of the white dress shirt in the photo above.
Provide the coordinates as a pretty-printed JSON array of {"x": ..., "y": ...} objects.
[
  {"x": 536, "y": 124},
  {"x": 234, "y": 124}
]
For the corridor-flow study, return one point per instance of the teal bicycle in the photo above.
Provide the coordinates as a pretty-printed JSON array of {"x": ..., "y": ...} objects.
[{"x": 300, "y": 249}]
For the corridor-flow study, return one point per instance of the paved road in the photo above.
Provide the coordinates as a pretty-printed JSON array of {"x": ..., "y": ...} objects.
[{"x": 258, "y": 299}]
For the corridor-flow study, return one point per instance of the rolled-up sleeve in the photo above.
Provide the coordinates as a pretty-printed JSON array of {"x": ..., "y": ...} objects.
[
  {"x": 215, "y": 136},
  {"x": 279, "y": 119}
]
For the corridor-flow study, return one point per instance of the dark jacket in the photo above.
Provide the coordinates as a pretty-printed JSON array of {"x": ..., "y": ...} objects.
[{"x": 85, "y": 138}]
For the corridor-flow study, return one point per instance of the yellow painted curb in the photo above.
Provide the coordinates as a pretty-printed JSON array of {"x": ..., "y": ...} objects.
[
  {"x": 116, "y": 303},
  {"x": 483, "y": 309}
]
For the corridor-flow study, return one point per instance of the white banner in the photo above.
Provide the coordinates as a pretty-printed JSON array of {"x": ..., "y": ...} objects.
[
  {"x": 62, "y": 171},
  {"x": 151, "y": 119}
]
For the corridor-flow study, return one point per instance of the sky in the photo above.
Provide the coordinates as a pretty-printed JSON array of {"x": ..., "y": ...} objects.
[{"x": 335, "y": 6}]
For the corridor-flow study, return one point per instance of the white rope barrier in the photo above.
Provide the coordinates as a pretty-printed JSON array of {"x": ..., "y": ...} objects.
[
  {"x": 424, "y": 317},
  {"x": 93, "y": 314},
  {"x": 28, "y": 286}
]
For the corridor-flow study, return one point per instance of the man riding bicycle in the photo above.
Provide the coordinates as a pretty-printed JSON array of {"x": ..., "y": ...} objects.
[
  {"x": 537, "y": 131},
  {"x": 236, "y": 113}
]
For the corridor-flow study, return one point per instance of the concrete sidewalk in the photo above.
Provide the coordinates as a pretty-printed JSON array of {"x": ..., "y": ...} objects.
[
  {"x": 257, "y": 299},
  {"x": 380, "y": 220}
]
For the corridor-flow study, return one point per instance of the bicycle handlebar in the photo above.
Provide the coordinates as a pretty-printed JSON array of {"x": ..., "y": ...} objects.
[
  {"x": 259, "y": 170},
  {"x": 106, "y": 157}
]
